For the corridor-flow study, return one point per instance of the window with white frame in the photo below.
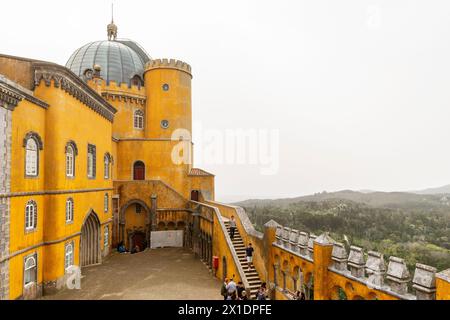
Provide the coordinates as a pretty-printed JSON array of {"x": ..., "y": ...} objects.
[
  {"x": 30, "y": 270},
  {"x": 106, "y": 237},
  {"x": 91, "y": 161},
  {"x": 68, "y": 256},
  {"x": 107, "y": 165},
  {"x": 31, "y": 158},
  {"x": 70, "y": 161},
  {"x": 69, "y": 210},
  {"x": 139, "y": 119},
  {"x": 31, "y": 216},
  {"x": 106, "y": 203}
]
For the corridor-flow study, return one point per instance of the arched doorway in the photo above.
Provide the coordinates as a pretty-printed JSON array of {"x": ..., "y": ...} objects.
[
  {"x": 139, "y": 171},
  {"x": 135, "y": 224},
  {"x": 90, "y": 241}
]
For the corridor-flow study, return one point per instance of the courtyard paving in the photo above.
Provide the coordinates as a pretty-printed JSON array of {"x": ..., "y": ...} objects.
[{"x": 162, "y": 274}]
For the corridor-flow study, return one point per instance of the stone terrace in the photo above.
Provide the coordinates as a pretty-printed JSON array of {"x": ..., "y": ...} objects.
[{"x": 163, "y": 274}]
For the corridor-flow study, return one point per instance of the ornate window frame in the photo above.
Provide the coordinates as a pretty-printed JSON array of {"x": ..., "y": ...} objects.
[
  {"x": 32, "y": 257},
  {"x": 106, "y": 203},
  {"x": 31, "y": 216},
  {"x": 106, "y": 237},
  {"x": 39, "y": 147},
  {"x": 91, "y": 152},
  {"x": 71, "y": 146},
  {"x": 107, "y": 166},
  {"x": 138, "y": 119},
  {"x": 69, "y": 255},
  {"x": 69, "y": 211}
]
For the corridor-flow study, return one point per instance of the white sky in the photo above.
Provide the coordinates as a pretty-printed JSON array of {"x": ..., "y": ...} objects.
[{"x": 358, "y": 89}]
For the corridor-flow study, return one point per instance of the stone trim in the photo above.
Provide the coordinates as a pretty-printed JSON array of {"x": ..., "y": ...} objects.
[
  {"x": 5, "y": 204},
  {"x": 66, "y": 80},
  {"x": 124, "y": 97},
  {"x": 44, "y": 243},
  {"x": 11, "y": 95},
  {"x": 54, "y": 192},
  {"x": 36, "y": 137}
]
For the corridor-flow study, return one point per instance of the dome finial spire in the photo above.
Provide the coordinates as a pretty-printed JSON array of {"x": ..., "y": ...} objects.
[{"x": 112, "y": 28}]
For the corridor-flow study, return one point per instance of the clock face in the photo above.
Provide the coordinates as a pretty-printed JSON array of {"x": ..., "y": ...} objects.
[
  {"x": 165, "y": 124},
  {"x": 165, "y": 87}
]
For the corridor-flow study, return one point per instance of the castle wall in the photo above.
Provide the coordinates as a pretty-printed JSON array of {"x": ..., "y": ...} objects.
[{"x": 5, "y": 205}]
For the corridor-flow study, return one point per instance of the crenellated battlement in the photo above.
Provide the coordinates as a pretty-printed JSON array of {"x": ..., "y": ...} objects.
[
  {"x": 354, "y": 265},
  {"x": 168, "y": 64}
]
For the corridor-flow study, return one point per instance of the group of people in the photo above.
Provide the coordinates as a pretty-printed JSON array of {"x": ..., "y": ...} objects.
[
  {"x": 122, "y": 249},
  {"x": 232, "y": 291}
]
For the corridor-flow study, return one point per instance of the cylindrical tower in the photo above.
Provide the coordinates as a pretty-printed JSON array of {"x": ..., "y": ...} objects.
[{"x": 169, "y": 102}]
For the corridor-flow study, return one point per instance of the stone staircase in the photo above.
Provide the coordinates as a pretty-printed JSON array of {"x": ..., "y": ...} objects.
[{"x": 251, "y": 274}]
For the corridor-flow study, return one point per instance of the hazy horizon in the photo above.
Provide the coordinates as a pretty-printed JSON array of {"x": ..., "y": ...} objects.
[{"x": 358, "y": 90}]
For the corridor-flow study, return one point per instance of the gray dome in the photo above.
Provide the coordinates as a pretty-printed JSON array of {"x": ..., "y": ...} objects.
[{"x": 120, "y": 60}]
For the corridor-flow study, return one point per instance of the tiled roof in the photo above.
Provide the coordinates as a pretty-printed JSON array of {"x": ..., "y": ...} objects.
[{"x": 200, "y": 172}]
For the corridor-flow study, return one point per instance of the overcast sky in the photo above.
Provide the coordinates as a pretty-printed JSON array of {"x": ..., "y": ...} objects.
[{"x": 359, "y": 90}]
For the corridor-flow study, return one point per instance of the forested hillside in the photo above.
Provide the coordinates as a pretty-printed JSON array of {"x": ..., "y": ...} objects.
[{"x": 415, "y": 227}]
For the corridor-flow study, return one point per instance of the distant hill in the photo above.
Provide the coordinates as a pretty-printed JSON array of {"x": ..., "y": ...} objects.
[
  {"x": 393, "y": 200},
  {"x": 440, "y": 190}
]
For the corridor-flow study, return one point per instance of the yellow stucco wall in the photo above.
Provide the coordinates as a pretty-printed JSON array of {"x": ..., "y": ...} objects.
[{"x": 173, "y": 105}]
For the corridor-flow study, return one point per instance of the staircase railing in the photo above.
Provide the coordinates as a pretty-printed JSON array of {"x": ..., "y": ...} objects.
[
  {"x": 248, "y": 234},
  {"x": 228, "y": 250}
]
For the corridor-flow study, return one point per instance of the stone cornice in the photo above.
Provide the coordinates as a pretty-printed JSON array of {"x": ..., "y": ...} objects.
[
  {"x": 66, "y": 80},
  {"x": 124, "y": 97},
  {"x": 11, "y": 96}
]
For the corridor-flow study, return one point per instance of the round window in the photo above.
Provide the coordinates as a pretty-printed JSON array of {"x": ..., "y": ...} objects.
[
  {"x": 165, "y": 124},
  {"x": 165, "y": 87}
]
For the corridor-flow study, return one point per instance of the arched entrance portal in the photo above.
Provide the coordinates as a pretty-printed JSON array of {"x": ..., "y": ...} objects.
[
  {"x": 135, "y": 224},
  {"x": 90, "y": 241}
]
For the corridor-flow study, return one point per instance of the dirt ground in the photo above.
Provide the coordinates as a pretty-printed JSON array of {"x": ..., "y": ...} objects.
[{"x": 163, "y": 274}]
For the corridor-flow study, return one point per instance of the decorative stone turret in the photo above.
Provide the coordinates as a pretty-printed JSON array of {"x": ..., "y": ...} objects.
[
  {"x": 293, "y": 240},
  {"x": 376, "y": 269},
  {"x": 339, "y": 257},
  {"x": 303, "y": 239},
  {"x": 279, "y": 235},
  {"x": 168, "y": 64},
  {"x": 424, "y": 282},
  {"x": 398, "y": 275},
  {"x": 286, "y": 235},
  {"x": 312, "y": 237},
  {"x": 356, "y": 261}
]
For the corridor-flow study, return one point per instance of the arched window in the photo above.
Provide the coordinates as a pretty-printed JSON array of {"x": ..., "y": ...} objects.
[
  {"x": 30, "y": 268},
  {"x": 106, "y": 203},
  {"x": 70, "y": 161},
  {"x": 139, "y": 171},
  {"x": 106, "y": 237},
  {"x": 31, "y": 158},
  {"x": 139, "y": 119},
  {"x": 69, "y": 210},
  {"x": 30, "y": 216},
  {"x": 107, "y": 165},
  {"x": 68, "y": 257},
  {"x": 32, "y": 144}
]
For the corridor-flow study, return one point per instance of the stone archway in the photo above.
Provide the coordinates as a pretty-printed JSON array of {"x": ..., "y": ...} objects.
[
  {"x": 134, "y": 234},
  {"x": 90, "y": 253}
]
